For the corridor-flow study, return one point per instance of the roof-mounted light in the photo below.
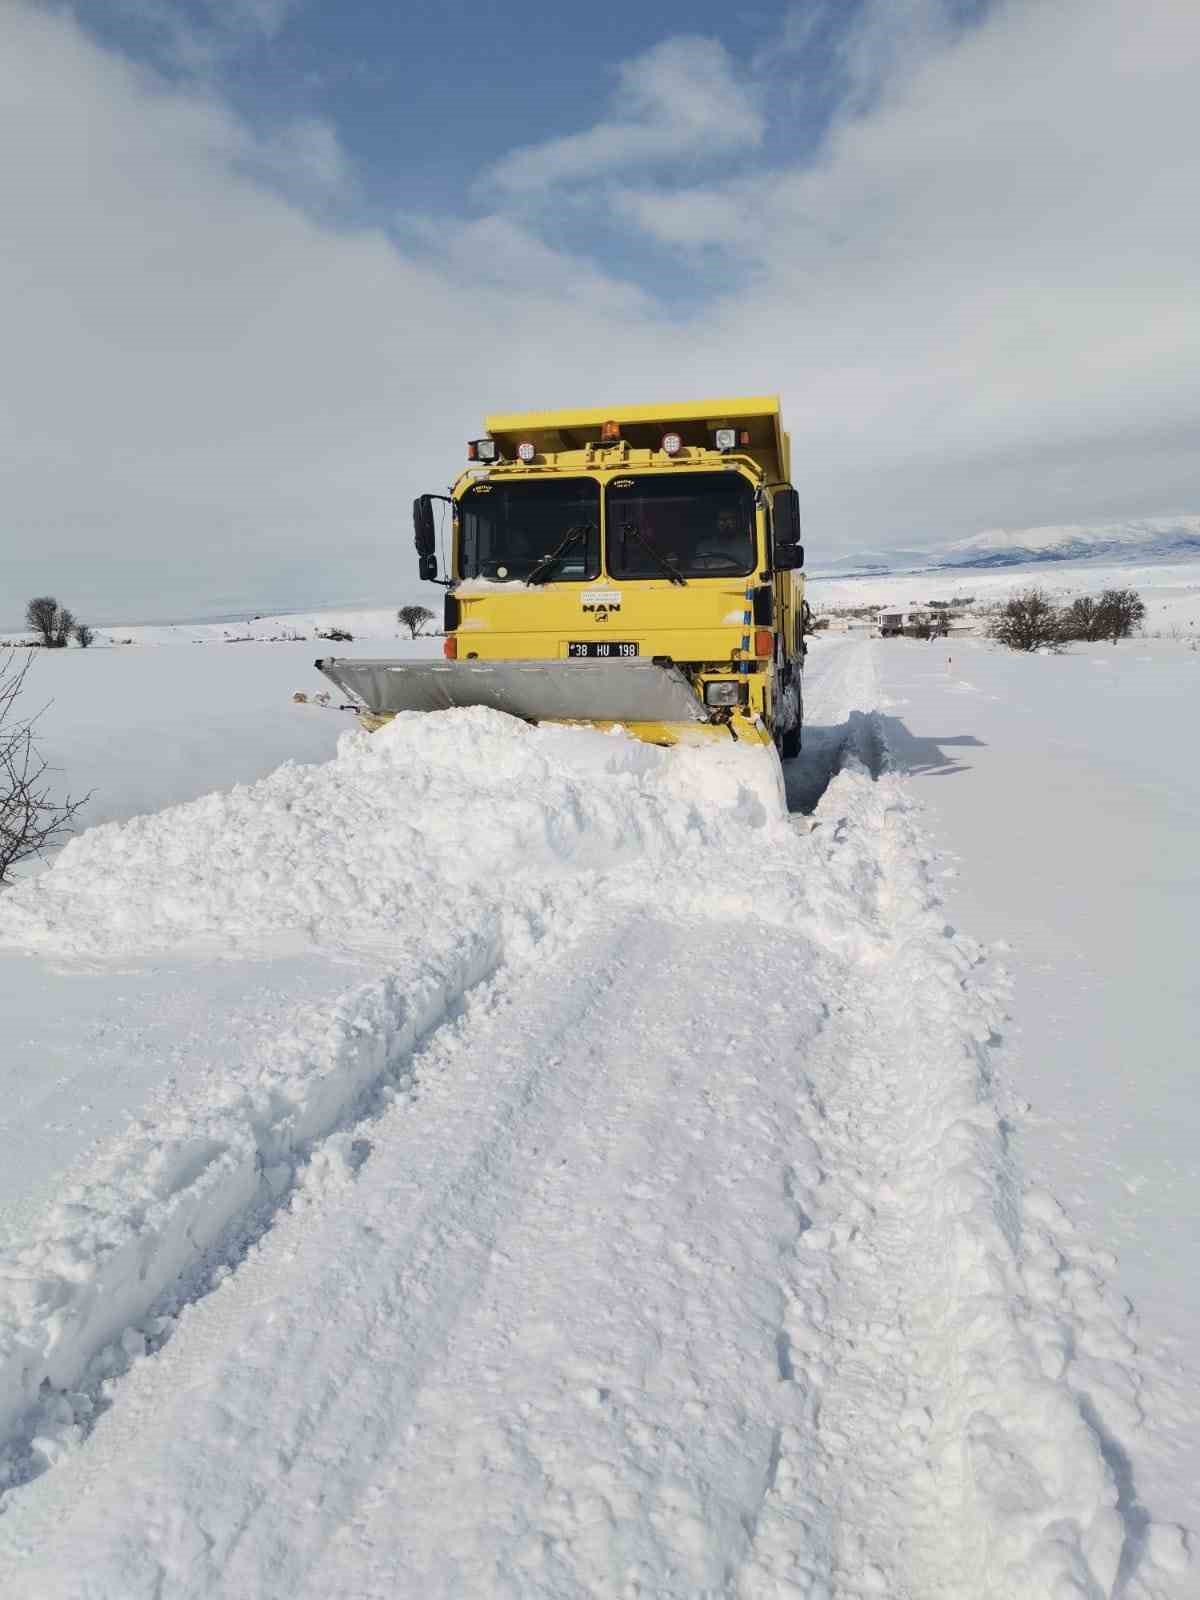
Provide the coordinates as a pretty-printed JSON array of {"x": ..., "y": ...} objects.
[
  {"x": 726, "y": 438},
  {"x": 526, "y": 450},
  {"x": 610, "y": 432},
  {"x": 482, "y": 450},
  {"x": 672, "y": 444}
]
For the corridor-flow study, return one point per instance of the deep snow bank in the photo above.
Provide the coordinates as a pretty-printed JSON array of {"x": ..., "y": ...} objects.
[{"x": 382, "y": 840}]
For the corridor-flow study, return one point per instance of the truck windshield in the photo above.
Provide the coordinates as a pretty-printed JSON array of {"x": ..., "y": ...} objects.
[
  {"x": 550, "y": 528},
  {"x": 697, "y": 524}
]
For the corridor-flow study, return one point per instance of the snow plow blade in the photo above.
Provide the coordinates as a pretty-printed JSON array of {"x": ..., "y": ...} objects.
[{"x": 654, "y": 702}]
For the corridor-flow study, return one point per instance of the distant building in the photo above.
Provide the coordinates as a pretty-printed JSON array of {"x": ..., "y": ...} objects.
[{"x": 914, "y": 624}]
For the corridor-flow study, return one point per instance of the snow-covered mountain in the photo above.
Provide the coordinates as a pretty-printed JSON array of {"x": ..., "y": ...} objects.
[
  {"x": 1137, "y": 539},
  {"x": 866, "y": 563}
]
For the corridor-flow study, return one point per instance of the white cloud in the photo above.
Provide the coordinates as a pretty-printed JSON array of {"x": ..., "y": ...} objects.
[
  {"x": 266, "y": 17},
  {"x": 497, "y": 252},
  {"x": 681, "y": 98},
  {"x": 208, "y": 396},
  {"x": 306, "y": 154},
  {"x": 887, "y": 41},
  {"x": 980, "y": 301},
  {"x": 690, "y": 217},
  {"x": 201, "y": 39}
]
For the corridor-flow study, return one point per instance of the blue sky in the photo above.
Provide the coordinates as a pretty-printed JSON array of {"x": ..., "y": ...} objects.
[
  {"x": 423, "y": 100},
  {"x": 272, "y": 260},
  {"x": 425, "y": 97}
]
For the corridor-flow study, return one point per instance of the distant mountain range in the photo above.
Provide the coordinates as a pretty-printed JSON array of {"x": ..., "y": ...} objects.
[{"x": 1002, "y": 547}]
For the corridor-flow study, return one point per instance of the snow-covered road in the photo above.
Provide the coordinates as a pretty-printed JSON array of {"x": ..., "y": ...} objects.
[{"x": 625, "y": 1208}]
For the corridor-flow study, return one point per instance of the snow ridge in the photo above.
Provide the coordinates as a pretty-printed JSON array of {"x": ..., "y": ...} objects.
[
  {"x": 109, "y": 1266},
  {"x": 970, "y": 1371}
]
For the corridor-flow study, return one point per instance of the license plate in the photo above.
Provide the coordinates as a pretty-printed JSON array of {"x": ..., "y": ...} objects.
[{"x": 602, "y": 649}]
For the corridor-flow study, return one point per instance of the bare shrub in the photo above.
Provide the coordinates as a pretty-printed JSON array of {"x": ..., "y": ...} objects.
[
  {"x": 30, "y": 818},
  {"x": 1114, "y": 615},
  {"x": 1120, "y": 612},
  {"x": 338, "y": 635},
  {"x": 414, "y": 618},
  {"x": 1080, "y": 619},
  {"x": 1029, "y": 621},
  {"x": 84, "y": 636}
]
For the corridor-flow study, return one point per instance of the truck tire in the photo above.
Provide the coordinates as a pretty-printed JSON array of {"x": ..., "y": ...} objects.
[{"x": 789, "y": 743}]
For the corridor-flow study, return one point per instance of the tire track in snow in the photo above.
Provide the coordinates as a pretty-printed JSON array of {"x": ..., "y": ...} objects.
[
  {"x": 627, "y": 1431},
  {"x": 209, "y": 1187},
  {"x": 104, "y": 1272},
  {"x": 506, "y": 1233}
]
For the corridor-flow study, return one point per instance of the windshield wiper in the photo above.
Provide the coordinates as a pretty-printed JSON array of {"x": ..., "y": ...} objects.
[
  {"x": 643, "y": 539},
  {"x": 560, "y": 550}
]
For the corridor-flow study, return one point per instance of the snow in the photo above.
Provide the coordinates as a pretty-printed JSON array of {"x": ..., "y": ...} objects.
[
  {"x": 1170, "y": 589},
  {"x": 1069, "y": 831},
  {"x": 478, "y": 1159},
  {"x": 142, "y": 727},
  {"x": 1136, "y": 539},
  {"x": 365, "y": 622},
  {"x": 1148, "y": 535}
]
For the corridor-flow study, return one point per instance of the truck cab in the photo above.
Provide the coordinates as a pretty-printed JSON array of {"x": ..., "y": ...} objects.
[{"x": 664, "y": 535}]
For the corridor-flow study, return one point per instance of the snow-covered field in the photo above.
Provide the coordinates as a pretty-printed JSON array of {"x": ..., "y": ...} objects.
[
  {"x": 1065, "y": 803},
  {"x": 488, "y": 1160},
  {"x": 1170, "y": 588},
  {"x": 146, "y": 725}
]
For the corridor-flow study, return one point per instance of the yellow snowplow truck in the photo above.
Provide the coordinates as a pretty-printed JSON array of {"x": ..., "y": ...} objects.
[{"x": 638, "y": 566}]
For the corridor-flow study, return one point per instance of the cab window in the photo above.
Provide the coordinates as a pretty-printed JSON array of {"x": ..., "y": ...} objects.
[{"x": 700, "y": 524}]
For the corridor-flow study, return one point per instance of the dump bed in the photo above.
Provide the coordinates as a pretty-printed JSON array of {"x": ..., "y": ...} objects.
[{"x": 550, "y": 432}]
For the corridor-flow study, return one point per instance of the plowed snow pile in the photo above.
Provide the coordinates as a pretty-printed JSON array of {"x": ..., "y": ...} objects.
[
  {"x": 393, "y": 839},
  {"x": 643, "y": 1225}
]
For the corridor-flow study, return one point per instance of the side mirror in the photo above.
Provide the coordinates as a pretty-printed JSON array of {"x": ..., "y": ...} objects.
[
  {"x": 424, "y": 537},
  {"x": 785, "y": 511}
]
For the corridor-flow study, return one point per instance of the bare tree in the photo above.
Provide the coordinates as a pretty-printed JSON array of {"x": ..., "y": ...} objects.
[
  {"x": 84, "y": 636},
  {"x": 414, "y": 618},
  {"x": 1118, "y": 613},
  {"x": 41, "y": 614},
  {"x": 1114, "y": 615},
  {"x": 1080, "y": 620},
  {"x": 54, "y": 622},
  {"x": 30, "y": 818},
  {"x": 1029, "y": 621}
]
